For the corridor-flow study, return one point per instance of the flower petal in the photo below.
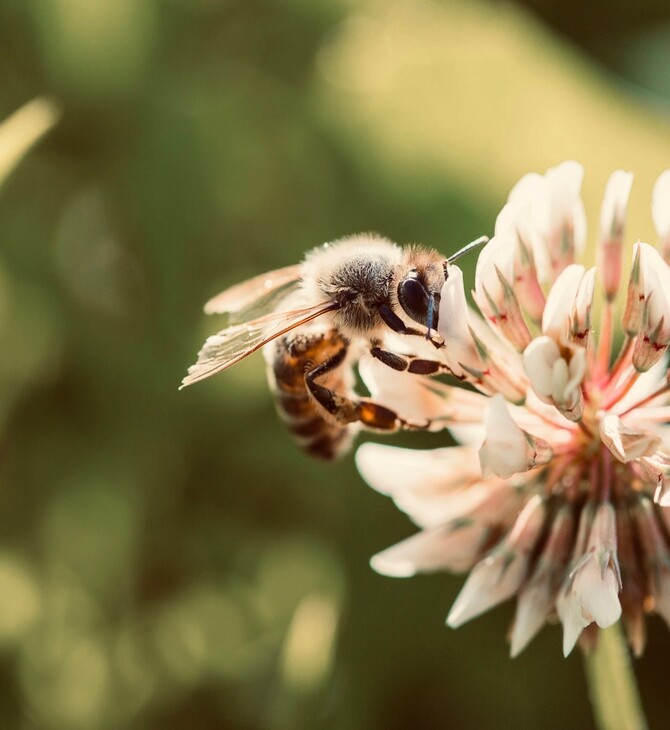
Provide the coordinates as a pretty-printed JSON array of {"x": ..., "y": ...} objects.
[
  {"x": 626, "y": 443},
  {"x": 392, "y": 470},
  {"x": 453, "y": 547},
  {"x": 498, "y": 576},
  {"x": 507, "y": 449},
  {"x": 407, "y": 394},
  {"x": 612, "y": 225},
  {"x": 533, "y": 606},
  {"x": 435, "y": 486},
  {"x": 537, "y": 596},
  {"x": 453, "y": 324},
  {"x": 655, "y": 330},
  {"x": 570, "y": 614},
  {"x": 497, "y": 254},
  {"x": 538, "y": 360},
  {"x": 561, "y": 302}
]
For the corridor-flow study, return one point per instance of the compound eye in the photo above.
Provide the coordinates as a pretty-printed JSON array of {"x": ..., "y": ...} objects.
[{"x": 413, "y": 298}]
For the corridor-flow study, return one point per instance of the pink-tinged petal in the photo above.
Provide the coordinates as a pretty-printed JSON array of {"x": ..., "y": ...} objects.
[
  {"x": 612, "y": 225},
  {"x": 656, "y": 276},
  {"x": 453, "y": 547},
  {"x": 526, "y": 282},
  {"x": 495, "y": 292},
  {"x": 624, "y": 442},
  {"x": 498, "y": 576},
  {"x": 527, "y": 212},
  {"x": 654, "y": 334},
  {"x": 660, "y": 210},
  {"x": 454, "y": 325},
  {"x": 565, "y": 183},
  {"x": 507, "y": 449},
  {"x": 635, "y": 298},
  {"x": 655, "y": 469},
  {"x": 561, "y": 303},
  {"x": 501, "y": 364},
  {"x": 647, "y": 352},
  {"x": 580, "y": 318},
  {"x": 537, "y": 596},
  {"x": 567, "y": 224},
  {"x": 497, "y": 255},
  {"x": 557, "y": 213}
]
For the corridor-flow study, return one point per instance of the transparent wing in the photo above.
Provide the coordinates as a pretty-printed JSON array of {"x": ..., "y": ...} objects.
[
  {"x": 233, "y": 344},
  {"x": 253, "y": 298}
]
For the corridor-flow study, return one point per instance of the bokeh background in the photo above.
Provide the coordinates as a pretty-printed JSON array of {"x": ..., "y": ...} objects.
[{"x": 171, "y": 560}]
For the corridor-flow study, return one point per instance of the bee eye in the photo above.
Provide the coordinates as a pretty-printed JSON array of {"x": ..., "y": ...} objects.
[{"x": 413, "y": 298}]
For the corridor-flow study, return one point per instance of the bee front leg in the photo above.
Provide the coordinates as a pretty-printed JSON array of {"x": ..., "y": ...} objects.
[
  {"x": 348, "y": 410},
  {"x": 392, "y": 320}
]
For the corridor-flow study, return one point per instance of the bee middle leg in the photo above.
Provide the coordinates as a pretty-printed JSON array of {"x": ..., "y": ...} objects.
[
  {"x": 409, "y": 363},
  {"x": 349, "y": 410}
]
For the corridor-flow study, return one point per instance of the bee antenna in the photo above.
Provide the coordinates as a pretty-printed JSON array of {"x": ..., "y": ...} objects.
[{"x": 466, "y": 249}]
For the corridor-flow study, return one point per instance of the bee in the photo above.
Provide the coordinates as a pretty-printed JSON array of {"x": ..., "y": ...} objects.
[{"x": 314, "y": 321}]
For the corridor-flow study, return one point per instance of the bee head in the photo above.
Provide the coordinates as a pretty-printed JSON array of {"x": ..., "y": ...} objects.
[{"x": 419, "y": 295}]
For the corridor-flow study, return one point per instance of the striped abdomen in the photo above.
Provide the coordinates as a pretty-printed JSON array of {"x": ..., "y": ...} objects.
[{"x": 289, "y": 359}]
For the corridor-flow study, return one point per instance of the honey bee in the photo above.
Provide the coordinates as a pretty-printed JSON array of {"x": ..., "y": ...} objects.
[{"x": 315, "y": 319}]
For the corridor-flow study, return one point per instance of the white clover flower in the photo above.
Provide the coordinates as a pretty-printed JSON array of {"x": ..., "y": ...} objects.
[{"x": 558, "y": 492}]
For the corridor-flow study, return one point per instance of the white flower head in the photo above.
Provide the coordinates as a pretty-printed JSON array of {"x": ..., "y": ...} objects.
[{"x": 562, "y": 498}]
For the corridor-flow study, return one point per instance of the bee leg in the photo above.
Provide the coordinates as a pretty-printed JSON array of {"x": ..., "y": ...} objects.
[
  {"x": 347, "y": 410},
  {"x": 392, "y": 320},
  {"x": 410, "y": 363}
]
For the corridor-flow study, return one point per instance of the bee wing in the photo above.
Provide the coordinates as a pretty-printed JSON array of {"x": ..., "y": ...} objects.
[
  {"x": 251, "y": 299},
  {"x": 233, "y": 344}
]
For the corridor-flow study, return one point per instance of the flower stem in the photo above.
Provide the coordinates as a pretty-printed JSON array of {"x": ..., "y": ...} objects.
[{"x": 612, "y": 686}]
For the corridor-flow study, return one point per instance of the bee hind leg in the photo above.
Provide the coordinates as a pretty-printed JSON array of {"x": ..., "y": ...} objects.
[{"x": 349, "y": 410}]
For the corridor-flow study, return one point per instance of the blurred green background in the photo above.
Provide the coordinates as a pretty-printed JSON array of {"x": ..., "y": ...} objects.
[{"x": 171, "y": 560}]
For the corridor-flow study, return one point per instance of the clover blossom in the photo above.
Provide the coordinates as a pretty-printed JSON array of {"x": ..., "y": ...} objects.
[{"x": 559, "y": 490}]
